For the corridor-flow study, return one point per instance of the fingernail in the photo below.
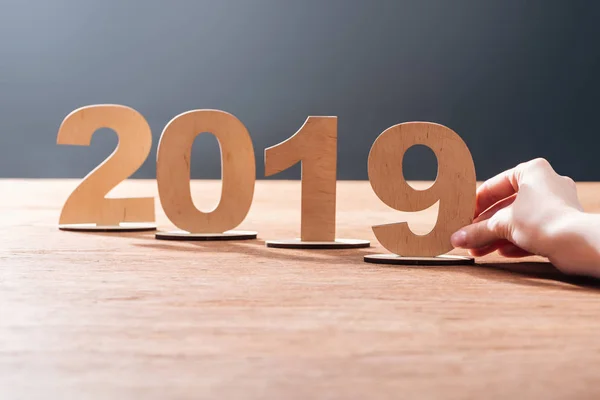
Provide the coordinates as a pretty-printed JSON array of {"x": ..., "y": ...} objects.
[{"x": 459, "y": 238}]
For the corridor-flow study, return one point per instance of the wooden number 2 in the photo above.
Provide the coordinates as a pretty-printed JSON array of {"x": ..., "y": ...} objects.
[
  {"x": 87, "y": 203},
  {"x": 238, "y": 170},
  {"x": 315, "y": 145},
  {"x": 454, "y": 187}
]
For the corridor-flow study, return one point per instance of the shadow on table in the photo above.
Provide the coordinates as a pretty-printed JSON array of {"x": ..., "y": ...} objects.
[
  {"x": 532, "y": 273},
  {"x": 257, "y": 248},
  {"x": 526, "y": 273},
  {"x": 253, "y": 247},
  {"x": 126, "y": 234}
]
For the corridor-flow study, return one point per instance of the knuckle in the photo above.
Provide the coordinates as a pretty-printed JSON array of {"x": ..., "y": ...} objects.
[
  {"x": 568, "y": 180},
  {"x": 500, "y": 223},
  {"x": 540, "y": 163},
  {"x": 495, "y": 225}
]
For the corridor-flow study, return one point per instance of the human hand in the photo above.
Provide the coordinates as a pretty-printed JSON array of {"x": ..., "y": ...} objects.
[{"x": 529, "y": 209}]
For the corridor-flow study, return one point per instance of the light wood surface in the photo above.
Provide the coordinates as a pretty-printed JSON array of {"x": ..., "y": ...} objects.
[
  {"x": 87, "y": 203},
  {"x": 454, "y": 187},
  {"x": 315, "y": 145},
  {"x": 125, "y": 316},
  {"x": 238, "y": 171}
]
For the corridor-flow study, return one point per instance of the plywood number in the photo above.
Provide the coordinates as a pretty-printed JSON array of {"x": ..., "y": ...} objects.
[
  {"x": 238, "y": 171},
  {"x": 454, "y": 187},
  {"x": 87, "y": 203},
  {"x": 315, "y": 145}
]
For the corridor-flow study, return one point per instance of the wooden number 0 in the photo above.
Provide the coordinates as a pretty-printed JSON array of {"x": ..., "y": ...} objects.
[
  {"x": 454, "y": 187},
  {"x": 173, "y": 171},
  {"x": 87, "y": 204}
]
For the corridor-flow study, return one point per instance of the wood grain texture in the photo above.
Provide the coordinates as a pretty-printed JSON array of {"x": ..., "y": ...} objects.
[
  {"x": 315, "y": 145},
  {"x": 238, "y": 171},
  {"x": 454, "y": 187},
  {"x": 119, "y": 316},
  {"x": 87, "y": 202}
]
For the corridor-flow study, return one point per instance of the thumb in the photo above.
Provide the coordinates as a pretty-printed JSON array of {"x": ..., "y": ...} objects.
[{"x": 484, "y": 232}]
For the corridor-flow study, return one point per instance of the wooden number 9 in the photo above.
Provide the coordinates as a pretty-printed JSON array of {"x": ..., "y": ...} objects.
[{"x": 454, "y": 187}]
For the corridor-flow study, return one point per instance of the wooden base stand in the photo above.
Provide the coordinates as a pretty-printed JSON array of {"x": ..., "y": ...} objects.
[
  {"x": 399, "y": 260},
  {"x": 123, "y": 227},
  {"x": 228, "y": 235},
  {"x": 336, "y": 244}
]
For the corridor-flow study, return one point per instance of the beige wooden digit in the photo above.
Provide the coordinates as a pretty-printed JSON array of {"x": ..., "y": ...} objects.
[
  {"x": 315, "y": 145},
  {"x": 238, "y": 171},
  {"x": 87, "y": 203},
  {"x": 454, "y": 187}
]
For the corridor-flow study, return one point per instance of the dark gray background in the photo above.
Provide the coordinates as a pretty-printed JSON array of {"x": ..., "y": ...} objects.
[{"x": 516, "y": 79}]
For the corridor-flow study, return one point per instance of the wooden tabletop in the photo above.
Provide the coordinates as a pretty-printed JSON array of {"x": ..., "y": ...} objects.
[{"x": 102, "y": 315}]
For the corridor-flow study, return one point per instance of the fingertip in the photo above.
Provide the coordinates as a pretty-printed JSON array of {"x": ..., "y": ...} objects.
[
  {"x": 475, "y": 235},
  {"x": 459, "y": 238}
]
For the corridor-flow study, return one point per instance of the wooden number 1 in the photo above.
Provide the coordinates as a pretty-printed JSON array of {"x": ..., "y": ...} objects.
[
  {"x": 87, "y": 204},
  {"x": 315, "y": 145},
  {"x": 173, "y": 171},
  {"x": 454, "y": 187}
]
